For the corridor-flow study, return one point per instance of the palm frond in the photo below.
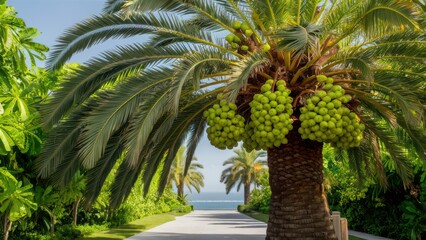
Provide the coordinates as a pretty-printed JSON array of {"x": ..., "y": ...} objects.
[
  {"x": 168, "y": 161},
  {"x": 110, "y": 67},
  {"x": 382, "y": 16},
  {"x": 299, "y": 38},
  {"x": 116, "y": 108},
  {"x": 271, "y": 13},
  {"x": 381, "y": 108},
  {"x": 93, "y": 31},
  {"x": 194, "y": 68},
  {"x": 357, "y": 162},
  {"x": 123, "y": 183},
  {"x": 183, "y": 126},
  {"x": 195, "y": 134},
  {"x": 100, "y": 28},
  {"x": 97, "y": 175},
  {"x": 245, "y": 68},
  {"x": 308, "y": 10},
  {"x": 405, "y": 98},
  {"x": 397, "y": 46},
  {"x": 66, "y": 170},
  {"x": 154, "y": 107},
  {"x": 361, "y": 62},
  {"x": 113, "y": 6},
  {"x": 211, "y": 14},
  {"x": 412, "y": 138},
  {"x": 62, "y": 139},
  {"x": 336, "y": 16},
  {"x": 391, "y": 145},
  {"x": 173, "y": 129},
  {"x": 132, "y": 7}
]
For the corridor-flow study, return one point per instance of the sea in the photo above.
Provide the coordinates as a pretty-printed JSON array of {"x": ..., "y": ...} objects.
[{"x": 215, "y": 200}]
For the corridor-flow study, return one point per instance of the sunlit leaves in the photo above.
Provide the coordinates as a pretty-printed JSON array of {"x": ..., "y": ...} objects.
[
  {"x": 16, "y": 200},
  {"x": 143, "y": 101}
]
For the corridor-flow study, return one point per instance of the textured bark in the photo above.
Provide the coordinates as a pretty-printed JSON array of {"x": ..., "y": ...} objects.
[
  {"x": 180, "y": 188},
  {"x": 75, "y": 211},
  {"x": 246, "y": 193},
  {"x": 52, "y": 225},
  {"x": 298, "y": 208},
  {"x": 7, "y": 226}
]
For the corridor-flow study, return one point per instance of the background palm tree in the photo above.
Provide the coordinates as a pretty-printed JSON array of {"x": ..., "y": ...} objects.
[
  {"x": 192, "y": 178},
  {"x": 243, "y": 170},
  {"x": 145, "y": 100}
]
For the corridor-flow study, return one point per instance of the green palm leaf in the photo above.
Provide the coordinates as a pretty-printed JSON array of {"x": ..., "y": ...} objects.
[
  {"x": 142, "y": 102},
  {"x": 112, "y": 66}
]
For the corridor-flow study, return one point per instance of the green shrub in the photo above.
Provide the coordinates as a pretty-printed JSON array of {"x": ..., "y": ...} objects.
[
  {"x": 243, "y": 208},
  {"x": 35, "y": 236},
  {"x": 414, "y": 210},
  {"x": 259, "y": 198},
  {"x": 183, "y": 209},
  {"x": 68, "y": 232},
  {"x": 378, "y": 213}
]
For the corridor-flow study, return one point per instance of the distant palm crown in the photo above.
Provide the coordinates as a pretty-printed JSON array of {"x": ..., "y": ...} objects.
[
  {"x": 192, "y": 178},
  {"x": 143, "y": 101},
  {"x": 242, "y": 168}
]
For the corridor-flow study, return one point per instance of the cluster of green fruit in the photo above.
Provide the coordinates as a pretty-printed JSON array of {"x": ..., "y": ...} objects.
[
  {"x": 241, "y": 37},
  {"x": 270, "y": 117},
  {"x": 324, "y": 118},
  {"x": 226, "y": 127}
]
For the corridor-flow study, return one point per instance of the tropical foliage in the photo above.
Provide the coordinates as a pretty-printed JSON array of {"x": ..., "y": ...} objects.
[
  {"x": 242, "y": 170},
  {"x": 143, "y": 101},
  {"x": 261, "y": 195},
  {"x": 20, "y": 88},
  {"x": 181, "y": 178},
  {"x": 396, "y": 208},
  {"x": 16, "y": 200},
  {"x": 394, "y": 212},
  {"x": 20, "y": 91},
  {"x": 32, "y": 208}
]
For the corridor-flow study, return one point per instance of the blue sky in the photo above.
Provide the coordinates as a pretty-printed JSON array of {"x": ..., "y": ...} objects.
[{"x": 53, "y": 17}]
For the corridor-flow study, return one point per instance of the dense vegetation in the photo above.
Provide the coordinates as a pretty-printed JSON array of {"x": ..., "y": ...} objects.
[
  {"x": 31, "y": 208},
  {"x": 393, "y": 211},
  {"x": 289, "y": 78},
  {"x": 294, "y": 75}
]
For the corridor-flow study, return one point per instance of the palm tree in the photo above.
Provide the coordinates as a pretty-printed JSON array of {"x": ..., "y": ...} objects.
[
  {"x": 192, "y": 177},
  {"x": 145, "y": 100},
  {"x": 243, "y": 169},
  {"x": 72, "y": 193}
]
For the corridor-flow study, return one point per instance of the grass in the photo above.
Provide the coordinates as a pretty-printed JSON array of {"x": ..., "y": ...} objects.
[
  {"x": 132, "y": 228},
  {"x": 257, "y": 215},
  {"x": 264, "y": 218}
]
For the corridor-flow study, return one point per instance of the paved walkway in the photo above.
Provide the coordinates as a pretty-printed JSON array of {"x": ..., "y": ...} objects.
[
  {"x": 366, "y": 236},
  {"x": 208, "y": 225}
]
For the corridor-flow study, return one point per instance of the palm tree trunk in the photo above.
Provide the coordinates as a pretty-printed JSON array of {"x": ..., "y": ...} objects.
[
  {"x": 298, "y": 208},
  {"x": 52, "y": 225},
  {"x": 7, "y": 226},
  {"x": 180, "y": 192},
  {"x": 75, "y": 211},
  {"x": 246, "y": 193}
]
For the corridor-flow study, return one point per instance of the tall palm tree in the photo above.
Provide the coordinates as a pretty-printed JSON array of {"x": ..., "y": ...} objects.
[
  {"x": 181, "y": 178},
  {"x": 243, "y": 169},
  {"x": 147, "y": 99}
]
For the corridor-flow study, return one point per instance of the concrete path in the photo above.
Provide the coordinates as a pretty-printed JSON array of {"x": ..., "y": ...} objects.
[
  {"x": 208, "y": 225},
  {"x": 366, "y": 236}
]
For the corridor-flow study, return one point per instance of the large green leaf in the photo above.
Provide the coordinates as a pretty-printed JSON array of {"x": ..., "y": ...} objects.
[{"x": 15, "y": 200}]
